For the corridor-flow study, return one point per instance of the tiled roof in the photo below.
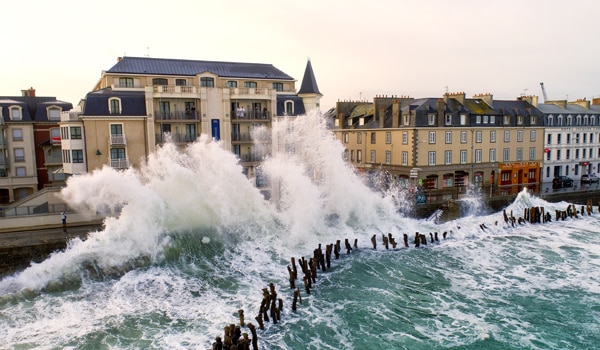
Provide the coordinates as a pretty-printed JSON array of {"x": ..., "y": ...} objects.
[
  {"x": 133, "y": 103},
  {"x": 165, "y": 66},
  {"x": 34, "y": 107}
]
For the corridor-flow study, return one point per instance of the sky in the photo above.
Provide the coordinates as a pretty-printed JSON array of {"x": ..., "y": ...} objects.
[{"x": 358, "y": 49}]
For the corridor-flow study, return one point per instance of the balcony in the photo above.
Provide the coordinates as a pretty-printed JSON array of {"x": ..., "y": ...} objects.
[
  {"x": 175, "y": 137},
  {"x": 117, "y": 139},
  {"x": 193, "y": 115},
  {"x": 119, "y": 163},
  {"x": 50, "y": 160},
  {"x": 253, "y": 116},
  {"x": 55, "y": 140},
  {"x": 176, "y": 90}
]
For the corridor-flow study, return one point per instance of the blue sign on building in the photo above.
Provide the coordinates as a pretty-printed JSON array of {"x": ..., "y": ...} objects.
[
  {"x": 216, "y": 129},
  {"x": 421, "y": 199}
]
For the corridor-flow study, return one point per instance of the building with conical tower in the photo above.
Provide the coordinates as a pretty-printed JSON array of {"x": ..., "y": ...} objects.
[{"x": 141, "y": 102}]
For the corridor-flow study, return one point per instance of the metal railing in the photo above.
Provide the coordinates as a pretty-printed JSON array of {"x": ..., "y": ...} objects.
[
  {"x": 251, "y": 115},
  {"x": 191, "y": 115},
  {"x": 118, "y": 139},
  {"x": 33, "y": 210},
  {"x": 119, "y": 163}
]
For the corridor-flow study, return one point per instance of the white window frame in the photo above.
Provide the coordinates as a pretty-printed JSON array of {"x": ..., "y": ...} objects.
[
  {"x": 448, "y": 157},
  {"x": 431, "y": 158},
  {"x": 432, "y": 137}
]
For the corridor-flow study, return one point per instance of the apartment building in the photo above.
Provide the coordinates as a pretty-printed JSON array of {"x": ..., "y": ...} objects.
[
  {"x": 142, "y": 102},
  {"x": 572, "y": 139},
  {"x": 439, "y": 145}
]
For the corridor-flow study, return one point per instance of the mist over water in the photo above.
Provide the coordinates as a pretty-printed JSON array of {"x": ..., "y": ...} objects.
[{"x": 195, "y": 242}]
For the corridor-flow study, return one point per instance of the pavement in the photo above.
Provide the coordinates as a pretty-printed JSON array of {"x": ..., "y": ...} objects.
[{"x": 51, "y": 235}]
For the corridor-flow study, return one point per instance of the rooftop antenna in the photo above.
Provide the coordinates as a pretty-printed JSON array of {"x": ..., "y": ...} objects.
[{"x": 147, "y": 51}]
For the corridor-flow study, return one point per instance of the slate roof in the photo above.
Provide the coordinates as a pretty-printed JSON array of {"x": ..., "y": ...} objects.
[
  {"x": 298, "y": 104},
  {"x": 166, "y": 66},
  {"x": 133, "y": 103},
  {"x": 33, "y": 107},
  {"x": 309, "y": 83}
]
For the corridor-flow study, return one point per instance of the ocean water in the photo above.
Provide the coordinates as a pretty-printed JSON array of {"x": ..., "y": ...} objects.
[{"x": 195, "y": 242}]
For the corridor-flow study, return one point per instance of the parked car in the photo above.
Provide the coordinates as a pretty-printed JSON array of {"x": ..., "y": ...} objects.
[
  {"x": 589, "y": 178},
  {"x": 562, "y": 181}
]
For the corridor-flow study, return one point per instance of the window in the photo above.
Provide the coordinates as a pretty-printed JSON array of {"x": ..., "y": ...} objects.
[
  {"x": 463, "y": 157},
  {"x": 126, "y": 82},
  {"x": 432, "y": 158},
  {"x": 180, "y": 82},
  {"x": 532, "y": 135},
  {"x": 448, "y": 120},
  {"x": 549, "y": 139},
  {"x": 478, "y": 155},
  {"x": 359, "y": 137},
  {"x": 492, "y": 119},
  {"x": 432, "y": 137},
  {"x": 519, "y": 135},
  {"x": 506, "y": 136},
  {"x": 584, "y": 138},
  {"x": 15, "y": 113},
  {"x": 114, "y": 106},
  {"x": 463, "y": 119},
  {"x": 404, "y": 158},
  {"x": 550, "y": 120},
  {"x": 346, "y": 137},
  {"x": 568, "y": 138},
  {"x": 388, "y": 157},
  {"x": 190, "y": 132},
  {"x": 463, "y": 137},
  {"x": 373, "y": 137},
  {"x": 568, "y": 155},
  {"x": 289, "y": 108},
  {"x": 558, "y": 138},
  {"x": 448, "y": 157},
  {"x": 493, "y": 136},
  {"x": 231, "y": 84},
  {"x": 448, "y": 136},
  {"x": 373, "y": 156},
  {"x": 576, "y": 138},
  {"x": 21, "y": 171},
  {"x": 207, "y": 82},
  {"x": 485, "y": 119},
  {"x": 66, "y": 155},
  {"x": 278, "y": 86},
  {"x": 577, "y": 153},
  {"x": 532, "y": 120},
  {"x": 477, "y": 119},
  {"x": 19, "y": 154},
  {"x": 160, "y": 81},
  {"x": 578, "y": 120},
  {"x": 478, "y": 136},
  {"x": 520, "y": 120},
  {"x": 569, "y": 121},
  {"x": 405, "y": 138},
  {"x": 506, "y": 155},
  {"x": 549, "y": 155},
  {"x": 431, "y": 119},
  {"x": 492, "y": 155},
  {"x": 54, "y": 113},
  {"x": 250, "y": 84},
  {"x": 506, "y": 119},
  {"x": 117, "y": 153},
  {"x": 77, "y": 155},
  {"x": 519, "y": 154},
  {"x": 17, "y": 135},
  {"x": 55, "y": 135},
  {"x": 76, "y": 132},
  {"x": 116, "y": 129},
  {"x": 359, "y": 156},
  {"x": 64, "y": 132},
  {"x": 406, "y": 119},
  {"x": 388, "y": 137},
  {"x": 351, "y": 155},
  {"x": 560, "y": 121}
]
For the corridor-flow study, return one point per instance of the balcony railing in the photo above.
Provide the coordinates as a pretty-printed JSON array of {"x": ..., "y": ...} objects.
[
  {"x": 246, "y": 158},
  {"x": 54, "y": 160},
  {"x": 177, "y": 137},
  {"x": 192, "y": 115},
  {"x": 119, "y": 163},
  {"x": 117, "y": 139},
  {"x": 174, "y": 89},
  {"x": 55, "y": 140},
  {"x": 251, "y": 115}
]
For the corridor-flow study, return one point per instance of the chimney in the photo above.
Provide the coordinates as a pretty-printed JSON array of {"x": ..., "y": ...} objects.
[
  {"x": 531, "y": 99},
  {"x": 487, "y": 98},
  {"x": 119, "y": 59},
  {"x": 582, "y": 102},
  {"x": 28, "y": 93},
  {"x": 459, "y": 96},
  {"x": 596, "y": 101}
]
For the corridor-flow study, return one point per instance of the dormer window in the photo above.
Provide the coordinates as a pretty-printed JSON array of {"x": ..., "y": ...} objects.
[
  {"x": 16, "y": 113},
  {"x": 114, "y": 105},
  {"x": 431, "y": 119},
  {"x": 53, "y": 113},
  {"x": 289, "y": 108},
  {"x": 520, "y": 120}
]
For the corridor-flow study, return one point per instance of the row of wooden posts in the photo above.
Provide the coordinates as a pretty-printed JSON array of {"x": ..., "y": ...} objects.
[
  {"x": 537, "y": 215},
  {"x": 271, "y": 306}
]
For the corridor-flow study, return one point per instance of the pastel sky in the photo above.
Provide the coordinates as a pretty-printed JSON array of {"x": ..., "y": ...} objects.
[{"x": 358, "y": 49}]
